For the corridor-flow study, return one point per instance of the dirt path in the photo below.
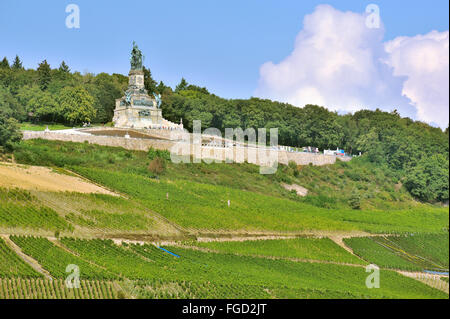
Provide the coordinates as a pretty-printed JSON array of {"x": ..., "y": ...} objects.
[
  {"x": 30, "y": 261},
  {"x": 45, "y": 179}
]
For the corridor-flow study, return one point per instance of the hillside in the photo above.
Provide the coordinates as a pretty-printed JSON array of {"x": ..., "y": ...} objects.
[{"x": 267, "y": 243}]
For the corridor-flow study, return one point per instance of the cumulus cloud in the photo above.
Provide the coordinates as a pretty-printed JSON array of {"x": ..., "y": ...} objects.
[
  {"x": 424, "y": 59},
  {"x": 340, "y": 63}
]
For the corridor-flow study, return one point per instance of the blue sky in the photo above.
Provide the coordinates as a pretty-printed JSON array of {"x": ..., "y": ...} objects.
[{"x": 218, "y": 44}]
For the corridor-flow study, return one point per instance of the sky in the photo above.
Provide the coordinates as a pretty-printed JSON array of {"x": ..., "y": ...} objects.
[{"x": 295, "y": 51}]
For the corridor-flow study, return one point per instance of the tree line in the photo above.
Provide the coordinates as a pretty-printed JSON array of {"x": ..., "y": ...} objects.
[{"x": 415, "y": 152}]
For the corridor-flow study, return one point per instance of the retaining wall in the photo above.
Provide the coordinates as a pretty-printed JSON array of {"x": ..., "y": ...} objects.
[{"x": 232, "y": 154}]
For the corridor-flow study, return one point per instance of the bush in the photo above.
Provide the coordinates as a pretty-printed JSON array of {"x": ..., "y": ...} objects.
[
  {"x": 355, "y": 200},
  {"x": 154, "y": 153},
  {"x": 157, "y": 165},
  {"x": 9, "y": 133}
]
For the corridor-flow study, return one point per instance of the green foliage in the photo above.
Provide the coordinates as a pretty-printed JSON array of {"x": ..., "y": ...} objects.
[
  {"x": 355, "y": 200},
  {"x": 182, "y": 85},
  {"x": 76, "y": 105},
  {"x": 149, "y": 82},
  {"x": 428, "y": 180},
  {"x": 154, "y": 153},
  {"x": 64, "y": 67},
  {"x": 4, "y": 64},
  {"x": 10, "y": 106},
  {"x": 9, "y": 133},
  {"x": 17, "y": 64},
  {"x": 44, "y": 75}
]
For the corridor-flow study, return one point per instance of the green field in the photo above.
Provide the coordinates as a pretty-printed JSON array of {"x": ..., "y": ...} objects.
[
  {"x": 413, "y": 252},
  {"x": 321, "y": 249},
  {"x": 41, "y": 127}
]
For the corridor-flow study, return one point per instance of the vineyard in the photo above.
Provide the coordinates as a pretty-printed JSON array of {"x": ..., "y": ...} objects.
[
  {"x": 145, "y": 271},
  {"x": 322, "y": 249},
  {"x": 196, "y": 197},
  {"x": 12, "y": 265},
  {"x": 185, "y": 233},
  {"x": 21, "y": 209},
  {"x": 255, "y": 212},
  {"x": 23, "y": 288},
  {"x": 413, "y": 252}
]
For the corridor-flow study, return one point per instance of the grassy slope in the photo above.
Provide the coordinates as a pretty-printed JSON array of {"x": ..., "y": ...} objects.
[{"x": 198, "y": 193}]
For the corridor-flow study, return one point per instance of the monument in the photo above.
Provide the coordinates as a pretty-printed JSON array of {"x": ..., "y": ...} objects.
[{"x": 137, "y": 109}]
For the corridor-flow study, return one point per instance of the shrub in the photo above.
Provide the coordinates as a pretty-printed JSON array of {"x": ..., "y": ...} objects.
[
  {"x": 154, "y": 153},
  {"x": 355, "y": 200},
  {"x": 157, "y": 165},
  {"x": 9, "y": 133}
]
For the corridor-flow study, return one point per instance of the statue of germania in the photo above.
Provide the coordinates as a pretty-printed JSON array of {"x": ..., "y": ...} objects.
[{"x": 136, "y": 58}]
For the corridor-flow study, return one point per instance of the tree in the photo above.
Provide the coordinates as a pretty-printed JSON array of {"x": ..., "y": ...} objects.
[
  {"x": 64, "y": 68},
  {"x": 76, "y": 105},
  {"x": 149, "y": 82},
  {"x": 9, "y": 132},
  {"x": 4, "y": 64},
  {"x": 44, "y": 75},
  {"x": 43, "y": 106},
  {"x": 182, "y": 85},
  {"x": 429, "y": 181},
  {"x": 17, "y": 64},
  {"x": 9, "y": 106}
]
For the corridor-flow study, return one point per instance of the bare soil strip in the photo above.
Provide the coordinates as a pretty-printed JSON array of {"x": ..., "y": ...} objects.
[
  {"x": 43, "y": 178},
  {"x": 30, "y": 261}
]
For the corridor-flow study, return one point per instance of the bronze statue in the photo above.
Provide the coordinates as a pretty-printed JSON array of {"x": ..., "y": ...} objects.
[{"x": 136, "y": 58}]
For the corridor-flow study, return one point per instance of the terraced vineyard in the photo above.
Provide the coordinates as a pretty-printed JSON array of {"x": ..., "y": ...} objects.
[
  {"x": 256, "y": 212},
  {"x": 321, "y": 249},
  {"x": 413, "y": 252},
  {"x": 55, "y": 259},
  {"x": 12, "y": 265},
  {"x": 21, "y": 209},
  {"x": 22, "y": 288}
]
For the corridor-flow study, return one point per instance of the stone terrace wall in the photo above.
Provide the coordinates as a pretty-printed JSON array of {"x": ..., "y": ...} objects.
[{"x": 250, "y": 155}]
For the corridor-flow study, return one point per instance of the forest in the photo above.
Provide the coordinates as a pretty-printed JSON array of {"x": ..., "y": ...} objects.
[{"x": 416, "y": 153}]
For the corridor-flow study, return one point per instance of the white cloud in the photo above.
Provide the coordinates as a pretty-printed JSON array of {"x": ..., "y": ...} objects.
[
  {"x": 424, "y": 59},
  {"x": 340, "y": 63}
]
